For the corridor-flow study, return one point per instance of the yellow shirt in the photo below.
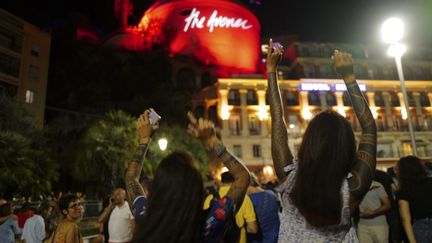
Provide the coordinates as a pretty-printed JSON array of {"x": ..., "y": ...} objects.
[{"x": 246, "y": 213}]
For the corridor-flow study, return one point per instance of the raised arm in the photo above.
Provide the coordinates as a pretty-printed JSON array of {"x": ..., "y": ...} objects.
[
  {"x": 133, "y": 171},
  {"x": 281, "y": 153},
  {"x": 204, "y": 130},
  {"x": 364, "y": 167}
]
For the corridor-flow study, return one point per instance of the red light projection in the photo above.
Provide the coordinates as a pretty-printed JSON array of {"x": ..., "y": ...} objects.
[
  {"x": 83, "y": 34},
  {"x": 217, "y": 33}
]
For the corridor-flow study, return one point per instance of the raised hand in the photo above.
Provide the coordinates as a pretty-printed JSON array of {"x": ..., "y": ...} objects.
[
  {"x": 364, "y": 167},
  {"x": 281, "y": 153},
  {"x": 274, "y": 56},
  {"x": 202, "y": 129},
  {"x": 205, "y": 130},
  {"x": 343, "y": 63},
  {"x": 144, "y": 128}
]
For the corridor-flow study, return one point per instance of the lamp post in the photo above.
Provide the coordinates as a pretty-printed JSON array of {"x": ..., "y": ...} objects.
[
  {"x": 392, "y": 33},
  {"x": 163, "y": 144}
]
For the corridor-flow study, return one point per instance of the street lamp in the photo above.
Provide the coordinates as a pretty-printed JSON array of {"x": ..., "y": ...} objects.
[
  {"x": 392, "y": 32},
  {"x": 163, "y": 144}
]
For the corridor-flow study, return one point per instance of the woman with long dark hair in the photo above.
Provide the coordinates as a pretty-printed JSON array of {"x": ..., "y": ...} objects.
[
  {"x": 415, "y": 199},
  {"x": 325, "y": 183},
  {"x": 173, "y": 212}
]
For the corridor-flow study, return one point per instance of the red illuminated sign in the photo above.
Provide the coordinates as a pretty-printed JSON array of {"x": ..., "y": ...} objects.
[
  {"x": 196, "y": 21},
  {"x": 217, "y": 33}
]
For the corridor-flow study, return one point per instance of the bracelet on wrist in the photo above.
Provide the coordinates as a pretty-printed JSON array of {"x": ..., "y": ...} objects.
[
  {"x": 219, "y": 149},
  {"x": 145, "y": 141}
]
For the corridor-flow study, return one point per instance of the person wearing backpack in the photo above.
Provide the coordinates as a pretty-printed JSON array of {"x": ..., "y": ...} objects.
[
  {"x": 267, "y": 205},
  {"x": 173, "y": 209},
  {"x": 245, "y": 219}
]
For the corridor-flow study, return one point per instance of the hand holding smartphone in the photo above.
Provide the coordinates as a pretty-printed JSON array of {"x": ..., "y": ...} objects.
[{"x": 153, "y": 117}]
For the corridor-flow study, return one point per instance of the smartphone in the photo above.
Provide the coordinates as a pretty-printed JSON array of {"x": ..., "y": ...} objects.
[
  {"x": 276, "y": 45},
  {"x": 153, "y": 117}
]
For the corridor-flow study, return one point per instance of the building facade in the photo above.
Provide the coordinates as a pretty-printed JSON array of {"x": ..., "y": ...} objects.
[
  {"x": 24, "y": 62},
  {"x": 309, "y": 86}
]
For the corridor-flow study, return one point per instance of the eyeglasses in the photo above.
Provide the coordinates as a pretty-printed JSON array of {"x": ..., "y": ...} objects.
[{"x": 76, "y": 206}]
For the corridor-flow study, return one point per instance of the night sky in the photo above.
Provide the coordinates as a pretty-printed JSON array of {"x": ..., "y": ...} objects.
[{"x": 312, "y": 20}]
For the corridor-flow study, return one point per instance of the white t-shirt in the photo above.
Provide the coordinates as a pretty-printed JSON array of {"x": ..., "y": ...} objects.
[
  {"x": 34, "y": 230},
  {"x": 119, "y": 225}
]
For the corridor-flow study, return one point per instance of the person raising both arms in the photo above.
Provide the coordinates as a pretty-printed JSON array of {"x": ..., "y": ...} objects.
[
  {"x": 323, "y": 186},
  {"x": 173, "y": 212}
]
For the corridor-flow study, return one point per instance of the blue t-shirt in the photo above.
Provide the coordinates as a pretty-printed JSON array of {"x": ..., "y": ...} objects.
[
  {"x": 214, "y": 227},
  {"x": 8, "y": 230},
  {"x": 266, "y": 205},
  {"x": 139, "y": 208}
]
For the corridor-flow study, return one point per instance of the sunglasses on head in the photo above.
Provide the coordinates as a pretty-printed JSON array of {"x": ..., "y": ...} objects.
[{"x": 76, "y": 205}]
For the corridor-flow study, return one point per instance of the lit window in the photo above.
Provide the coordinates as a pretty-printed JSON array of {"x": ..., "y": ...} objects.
[
  {"x": 252, "y": 98},
  {"x": 314, "y": 98},
  {"x": 234, "y": 124},
  {"x": 394, "y": 99},
  {"x": 292, "y": 98},
  {"x": 379, "y": 99},
  {"x": 331, "y": 99},
  {"x": 29, "y": 99},
  {"x": 234, "y": 97},
  {"x": 424, "y": 99},
  {"x": 384, "y": 150},
  {"x": 254, "y": 125},
  {"x": 256, "y": 151},
  {"x": 411, "y": 100},
  {"x": 33, "y": 72}
]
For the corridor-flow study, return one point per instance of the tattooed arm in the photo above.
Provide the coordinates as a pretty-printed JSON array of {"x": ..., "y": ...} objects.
[
  {"x": 281, "y": 153},
  {"x": 133, "y": 171},
  {"x": 204, "y": 130},
  {"x": 364, "y": 167}
]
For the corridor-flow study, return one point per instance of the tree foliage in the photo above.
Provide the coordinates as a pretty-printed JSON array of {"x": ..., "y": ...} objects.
[
  {"x": 111, "y": 142},
  {"x": 178, "y": 140},
  {"x": 106, "y": 148},
  {"x": 25, "y": 166}
]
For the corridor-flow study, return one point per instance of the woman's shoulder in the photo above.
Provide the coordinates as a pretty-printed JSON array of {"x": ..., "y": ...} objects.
[
  {"x": 63, "y": 229},
  {"x": 66, "y": 226}
]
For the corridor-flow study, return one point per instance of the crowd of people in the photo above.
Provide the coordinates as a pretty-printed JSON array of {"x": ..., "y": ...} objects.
[{"x": 330, "y": 191}]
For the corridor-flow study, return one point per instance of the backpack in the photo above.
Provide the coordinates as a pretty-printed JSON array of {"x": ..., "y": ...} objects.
[{"x": 232, "y": 231}]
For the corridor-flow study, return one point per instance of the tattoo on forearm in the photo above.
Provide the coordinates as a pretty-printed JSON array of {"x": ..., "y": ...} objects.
[
  {"x": 133, "y": 188},
  {"x": 364, "y": 167},
  {"x": 367, "y": 159},
  {"x": 279, "y": 136},
  {"x": 368, "y": 139},
  {"x": 141, "y": 153},
  {"x": 237, "y": 169}
]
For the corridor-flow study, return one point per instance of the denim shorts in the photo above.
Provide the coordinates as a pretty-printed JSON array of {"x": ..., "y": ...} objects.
[{"x": 423, "y": 230}]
